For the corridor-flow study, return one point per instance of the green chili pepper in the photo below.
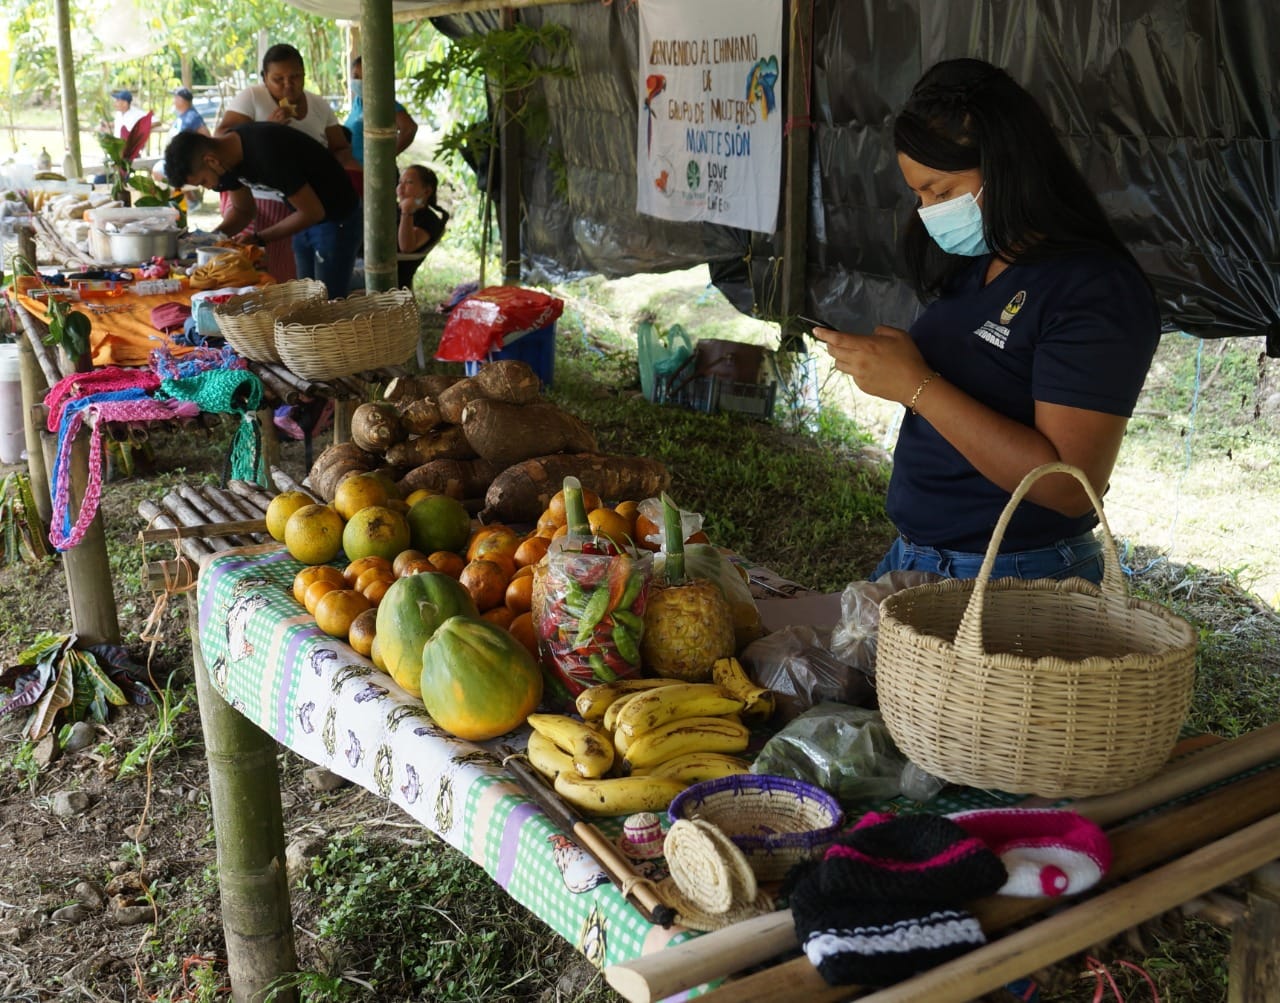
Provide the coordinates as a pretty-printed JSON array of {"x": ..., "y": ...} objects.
[
  {"x": 634, "y": 622},
  {"x": 574, "y": 595},
  {"x": 630, "y": 593},
  {"x": 595, "y": 609},
  {"x": 626, "y": 644},
  {"x": 599, "y": 668}
]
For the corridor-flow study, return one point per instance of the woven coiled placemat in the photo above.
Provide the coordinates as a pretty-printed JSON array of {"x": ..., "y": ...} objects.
[{"x": 711, "y": 883}]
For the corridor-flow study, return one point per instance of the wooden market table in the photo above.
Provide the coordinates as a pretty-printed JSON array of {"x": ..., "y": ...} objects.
[{"x": 266, "y": 674}]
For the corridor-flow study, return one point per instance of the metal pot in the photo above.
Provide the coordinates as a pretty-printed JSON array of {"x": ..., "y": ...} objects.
[
  {"x": 206, "y": 254},
  {"x": 134, "y": 248}
]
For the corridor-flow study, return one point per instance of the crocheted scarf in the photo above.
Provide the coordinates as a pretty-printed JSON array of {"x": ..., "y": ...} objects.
[{"x": 228, "y": 391}]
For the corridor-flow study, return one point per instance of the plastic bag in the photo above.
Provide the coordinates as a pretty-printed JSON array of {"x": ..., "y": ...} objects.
[
  {"x": 847, "y": 751},
  {"x": 853, "y": 640},
  {"x": 796, "y": 663},
  {"x": 481, "y": 323},
  {"x": 660, "y": 354},
  {"x": 702, "y": 560},
  {"x": 588, "y": 611}
]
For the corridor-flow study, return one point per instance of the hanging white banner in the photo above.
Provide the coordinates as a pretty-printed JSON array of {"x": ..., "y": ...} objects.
[{"x": 709, "y": 142}]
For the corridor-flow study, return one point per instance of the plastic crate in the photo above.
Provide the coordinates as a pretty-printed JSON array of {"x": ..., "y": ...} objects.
[
  {"x": 712, "y": 395},
  {"x": 753, "y": 399},
  {"x": 537, "y": 348},
  {"x": 696, "y": 394}
]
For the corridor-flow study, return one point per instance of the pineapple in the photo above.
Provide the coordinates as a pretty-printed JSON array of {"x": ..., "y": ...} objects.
[{"x": 688, "y": 624}]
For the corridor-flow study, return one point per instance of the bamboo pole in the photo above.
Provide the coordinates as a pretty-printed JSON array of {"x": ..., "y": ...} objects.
[
  {"x": 177, "y": 574},
  {"x": 279, "y": 388},
  {"x": 35, "y": 331},
  {"x": 168, "y": 528},
  {"x": 248, "y": 821},
  {"x": 377, "y": 43},
  {"x": 33, "y": 389},
  {"x": 237, "y": 506},
  {"x": 510, "y": 141},
  {"x": 283, "y": 482},
  {"x": 252, "y": 494},
  {"x": 215, "y": 514},
  {"x": 89, "y": 586},
  {"x": 67, "y": 84},
  {"x": 795, "y": 188},
  {"x": 1255, "y": 942}
]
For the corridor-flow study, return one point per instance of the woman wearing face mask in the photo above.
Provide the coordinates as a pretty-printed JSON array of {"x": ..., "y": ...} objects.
[
  {"x": 1034, "y": 344},
  {"x": 422, "y": 221},
  {"x": 282, "y": 98}
]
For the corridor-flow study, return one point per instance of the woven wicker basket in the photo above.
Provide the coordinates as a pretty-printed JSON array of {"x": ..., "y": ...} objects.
[
  {"x": 322, "y": 341},
  {"x": 777, "y": 822},
  {"x": 248, "y": 321},
  {"x": 1056, "y": 688}
]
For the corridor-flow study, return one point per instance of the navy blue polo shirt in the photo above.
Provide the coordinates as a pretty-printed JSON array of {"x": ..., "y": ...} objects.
[{"x": 1078, "y": 331}]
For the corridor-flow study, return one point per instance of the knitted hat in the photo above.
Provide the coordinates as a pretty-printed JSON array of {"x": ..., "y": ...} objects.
[
  {"x": 885, "y": 902},
  {"x": 642, "y": 836},
  {"x": 1047, "y": 851}
]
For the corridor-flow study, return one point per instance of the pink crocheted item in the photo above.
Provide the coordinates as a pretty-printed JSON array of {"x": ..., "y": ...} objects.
[
  {"x": 108, "y": 379},
  {"x": 1047, "y": 851},
  {"x": 130, "y": 410}
]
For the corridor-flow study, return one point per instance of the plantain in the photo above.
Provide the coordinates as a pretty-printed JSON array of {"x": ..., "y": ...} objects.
[
  {"x": 548, "y": 758},
  {"x": 649, "y": 710},
  {"x": 759, "y": 702},
  {"x": 617, "y": 795},
  {"x": 683, "y": 735},
  {"x": 694, "y": 767},
  {"x": 595, "y": 700},
  {"x": 591, "y": 749}
]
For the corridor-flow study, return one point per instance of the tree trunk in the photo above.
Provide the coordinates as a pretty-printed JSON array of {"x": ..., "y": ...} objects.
[{"x": 67, "y": 84}]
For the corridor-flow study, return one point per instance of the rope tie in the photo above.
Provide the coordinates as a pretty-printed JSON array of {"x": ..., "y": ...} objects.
[
  {"x": 122, "y": 405},
  {"x": 228, "y": 391},
  {"x": 108, "y": 380}
]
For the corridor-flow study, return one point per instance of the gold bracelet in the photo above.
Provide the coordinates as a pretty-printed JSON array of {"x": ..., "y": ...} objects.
[{"x": 919, "y": 390}]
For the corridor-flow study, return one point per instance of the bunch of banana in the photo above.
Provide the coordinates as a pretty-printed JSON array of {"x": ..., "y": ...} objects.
[{"x": 758, "y": 702}]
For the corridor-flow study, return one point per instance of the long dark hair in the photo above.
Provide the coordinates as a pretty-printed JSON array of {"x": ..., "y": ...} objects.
[
  {"x": 966, "y": 113},
  {"x": 427, "y": 177}
]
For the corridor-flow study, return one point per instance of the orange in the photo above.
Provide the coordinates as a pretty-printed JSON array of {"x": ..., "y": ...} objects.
[
  {"x": 448, "y": 563},
  {"x": 486, "y": 582},
  {"x": 352, "y": 572},
  {"x": 403, "y": 558},
  {"x": 500, "y": 539},
  {"x": 438, "y": 522},
  {"x": 371, "y": 575},
  {"x": 698, "y": 537},
  {"x": 607, "y": 523},
  {"x": 337, "y": 608},
  {"x": 501, "y": 615},
  {"x": 375, "y": 655},
  {"x": 376, "y": 589},
  {"x": 312, "y": 573},
  {"x": 555, "y": 507},
  {"x": 548, "y": 523},
  {"x": 519, "y": 594},
  {"x": 313, "y": 534},
  {"x": 644, "y": 528},
  {"x": 522, "y": 630},
  {"x": 376, "y": 530},
  {"x": 417, "y": 496},
  {"x": 357, "y": 491},
  {"x": 628, "y": 510},
  {"x": 418, "y": 566},
  {"x": 505, "y": 561},
  {"x": 531, "y": 550},
  {"x": 362, "y": 631},
  {"x": 562, "y": 531},
  {"x": 526, "y": 569},
  {"x": 317, "y": 590},
  {"x": 281, "y": 507}
]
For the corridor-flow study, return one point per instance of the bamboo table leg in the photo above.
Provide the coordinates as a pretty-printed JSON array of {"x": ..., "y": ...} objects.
[
  {"x": 248, "y": 822},
  {"x": 34, "y": 387},
  {"x": 1255, "y": 941}
]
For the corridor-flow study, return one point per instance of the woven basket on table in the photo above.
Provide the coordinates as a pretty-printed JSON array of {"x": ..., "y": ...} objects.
[
  {"x": 1055, "y": 688},
  {"x": 777, "y": 822},
  {"x": 322, "y": 341},
  {"x": 248, "y": 321}
]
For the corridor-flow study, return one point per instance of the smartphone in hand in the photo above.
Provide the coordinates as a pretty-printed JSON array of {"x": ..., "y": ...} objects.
[{"x": 811, "y": 323}]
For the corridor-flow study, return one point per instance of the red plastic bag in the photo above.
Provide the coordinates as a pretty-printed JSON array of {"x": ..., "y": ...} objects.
[{"x": 480, "y": 323}]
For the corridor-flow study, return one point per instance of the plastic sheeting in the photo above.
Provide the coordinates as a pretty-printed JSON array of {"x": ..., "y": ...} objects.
[{"x": 1171, "y": 109}]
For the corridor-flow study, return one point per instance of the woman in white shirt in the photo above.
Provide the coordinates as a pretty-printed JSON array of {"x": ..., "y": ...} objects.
[{"x": 282, "y": 97}]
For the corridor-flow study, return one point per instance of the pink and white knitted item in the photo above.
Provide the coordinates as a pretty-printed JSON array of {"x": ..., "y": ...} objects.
[
  {"x": 108, "y": 379},
  {"x": 1047, "y": 851},
  {"x": 95, "y": 414}
]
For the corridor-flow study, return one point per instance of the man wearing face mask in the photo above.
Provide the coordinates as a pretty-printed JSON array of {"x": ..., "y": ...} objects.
[
  {"x": 1034, "y": 344},
  {"x": 323, "y": 221}
]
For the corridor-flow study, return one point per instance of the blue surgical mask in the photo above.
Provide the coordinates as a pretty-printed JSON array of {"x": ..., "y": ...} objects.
[
  {"x": 956, "y": 225},
  {"x": 357, "y": 88}
]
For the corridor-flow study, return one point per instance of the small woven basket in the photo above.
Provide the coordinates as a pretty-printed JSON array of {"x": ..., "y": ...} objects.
[
  {"x": 322, "y": 341},
  {"x": 1055, "y": 688},
  {"x": 248, "y": 321},
  {"x": 777, "y": 822}
]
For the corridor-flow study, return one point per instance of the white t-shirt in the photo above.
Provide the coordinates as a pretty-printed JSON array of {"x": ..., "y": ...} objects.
[
  {"x": 125, "y": 120},
  {"x": 257, "y": 103}
]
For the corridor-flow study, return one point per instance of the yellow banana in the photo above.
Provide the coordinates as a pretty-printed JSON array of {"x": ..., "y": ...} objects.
[
  {"x": 617, "y": 795},
  {"x": 646, "y": 711},
  {"x": 595, "y": 700},
  {"x": 759, "y": 701},
  {"x": 548, "y": 758},
  {"x": 693, "y": 767},
  {"x": 590, "y": 747},
  {"x": 685, "y": 734},
  {"x": 620, "y": 743},
  {"x": 610, "y": 719}
]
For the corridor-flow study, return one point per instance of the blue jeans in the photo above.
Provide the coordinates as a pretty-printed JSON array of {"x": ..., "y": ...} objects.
[
  {"x": 1079, "y": 556},
  {"x": 327, "y": 251}
]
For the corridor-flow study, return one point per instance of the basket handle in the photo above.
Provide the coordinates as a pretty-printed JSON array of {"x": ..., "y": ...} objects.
[{"x": 969, "y": 634}]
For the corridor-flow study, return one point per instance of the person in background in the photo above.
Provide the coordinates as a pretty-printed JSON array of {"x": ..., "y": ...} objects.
[
  {"x": 406, "y": 127},
  {"x": 126, "y": 115},
  {"x": 322, "y": 218},
  {"x": 282, "y": 98},
  {"x": 422, "y": 221},
  {"x": 186, "y": 118},
  {"x": 1034, "y": 344}
]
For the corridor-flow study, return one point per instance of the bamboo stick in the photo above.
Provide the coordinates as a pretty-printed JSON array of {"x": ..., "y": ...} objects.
[
  {"x": 188, "y": 517},
  {"x": 167, "y": 527},
  {"x": 212, "y": 513},
  {"x": 277, "y": 387},
  {"x": 292, "y": 379},
  {"x": 251, "y": 493},
  {"x": 281, "y": 479},
  {"x": 207, "y": 531},
  {"x": 237, "y": 506},
  {"x": 34, "y": 415},
  {"x": 177, "y": 575},
  {"x": 35, "y": 338}
]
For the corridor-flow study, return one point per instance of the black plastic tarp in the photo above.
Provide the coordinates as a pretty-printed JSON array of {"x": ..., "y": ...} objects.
[{"x": 1171, "y": 109}]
